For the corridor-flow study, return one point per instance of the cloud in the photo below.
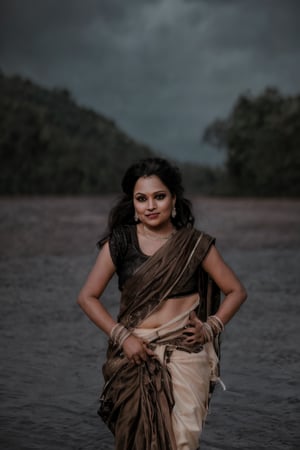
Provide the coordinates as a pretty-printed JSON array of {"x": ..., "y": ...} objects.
[{"x": 163, "y": 69}]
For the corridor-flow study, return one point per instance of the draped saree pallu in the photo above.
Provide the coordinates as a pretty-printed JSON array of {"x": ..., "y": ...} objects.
[{"x": 162, "y": 403}]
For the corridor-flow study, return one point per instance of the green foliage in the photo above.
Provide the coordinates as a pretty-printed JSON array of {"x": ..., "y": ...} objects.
[
  {"x": 50, "y": 145},
  {"x": 262, "y": 139},
  {"x": 204, "y": 180}
]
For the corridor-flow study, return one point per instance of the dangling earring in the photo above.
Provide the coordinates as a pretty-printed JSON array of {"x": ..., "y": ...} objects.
[
  {"x": 136, "y": 218},
  {"x": 174, "y": 212}
]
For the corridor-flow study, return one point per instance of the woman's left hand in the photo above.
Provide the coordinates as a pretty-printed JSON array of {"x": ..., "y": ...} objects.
[{"x": 194, "y": 330}]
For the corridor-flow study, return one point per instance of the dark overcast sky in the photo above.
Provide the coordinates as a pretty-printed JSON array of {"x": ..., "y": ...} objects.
[{"x": 162, "y": 69}]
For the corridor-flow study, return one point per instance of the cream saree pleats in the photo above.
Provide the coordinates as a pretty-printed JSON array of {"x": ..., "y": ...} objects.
[{"x": 190, "y": 374}]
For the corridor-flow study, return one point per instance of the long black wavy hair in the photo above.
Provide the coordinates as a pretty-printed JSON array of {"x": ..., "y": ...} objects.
[{"x": 123, "y": 212}]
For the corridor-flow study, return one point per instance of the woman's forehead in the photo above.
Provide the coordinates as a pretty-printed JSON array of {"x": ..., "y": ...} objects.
[{"x": 149, "y": 184}]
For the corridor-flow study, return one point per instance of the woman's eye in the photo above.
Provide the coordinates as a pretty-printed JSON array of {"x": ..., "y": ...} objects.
[
  {"x": 141, "y": 199},
  {"x": 160, "y": 196}
]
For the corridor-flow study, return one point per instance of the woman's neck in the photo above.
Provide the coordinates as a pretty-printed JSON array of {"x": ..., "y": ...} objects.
[{"x": 164, "y": 233}]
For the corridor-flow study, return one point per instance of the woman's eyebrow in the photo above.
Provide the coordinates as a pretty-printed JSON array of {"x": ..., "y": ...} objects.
[{"x": 153, "y": 193}]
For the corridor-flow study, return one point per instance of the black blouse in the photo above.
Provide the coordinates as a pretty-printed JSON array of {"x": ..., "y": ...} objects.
[{"x": 127, "y": 257}]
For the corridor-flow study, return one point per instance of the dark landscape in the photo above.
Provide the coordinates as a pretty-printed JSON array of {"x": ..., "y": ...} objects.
[{"x": 51, "y": 355}]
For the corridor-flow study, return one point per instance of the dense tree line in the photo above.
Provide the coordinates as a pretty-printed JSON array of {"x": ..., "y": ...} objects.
[
  {"x": 48, "y": 144},
  {"x": 261, "y": 136}
]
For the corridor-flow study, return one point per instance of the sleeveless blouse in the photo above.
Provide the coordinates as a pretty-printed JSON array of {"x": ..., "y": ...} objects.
[{"x": 127, "y": 257}]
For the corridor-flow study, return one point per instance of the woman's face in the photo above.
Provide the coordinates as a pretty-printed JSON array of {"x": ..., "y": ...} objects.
[{"x": 153, "y": 202}]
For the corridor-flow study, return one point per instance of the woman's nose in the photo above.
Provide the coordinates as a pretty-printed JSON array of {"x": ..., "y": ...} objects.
[{"x": 151, "y": 203}]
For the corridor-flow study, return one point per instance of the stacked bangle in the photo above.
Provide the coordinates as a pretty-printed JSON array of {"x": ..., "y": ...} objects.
[
  {"x": 119, "y": 333},
  {"x": 211, "y": 328},
  {"x": 216, "y": 324}
]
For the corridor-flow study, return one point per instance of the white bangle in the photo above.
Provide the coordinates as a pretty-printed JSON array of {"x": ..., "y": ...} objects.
[
  {"x": 219, "y": 321},
  {"x": 118, "y": 334}
]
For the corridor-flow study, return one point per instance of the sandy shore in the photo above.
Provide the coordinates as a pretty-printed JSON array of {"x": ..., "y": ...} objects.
[{"x": 51, "y": 355}]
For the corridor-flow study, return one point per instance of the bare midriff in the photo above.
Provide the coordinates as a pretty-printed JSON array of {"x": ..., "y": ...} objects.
[{"x": 169, "y": 309}]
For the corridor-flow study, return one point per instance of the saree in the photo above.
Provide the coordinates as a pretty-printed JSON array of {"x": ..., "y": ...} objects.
[{"x": 137, "y": 401}]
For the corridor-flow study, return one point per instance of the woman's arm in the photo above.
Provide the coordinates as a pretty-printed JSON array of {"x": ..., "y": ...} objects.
[
  {"x": 88, "y": 299},
  {"x": 228, "y": 282},
  {"x": 230, "y": 285},
  {"x": 93, "y": 288}
]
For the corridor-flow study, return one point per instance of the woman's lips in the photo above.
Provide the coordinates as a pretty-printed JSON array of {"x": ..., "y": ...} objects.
[{"x": 152, "y": 216}]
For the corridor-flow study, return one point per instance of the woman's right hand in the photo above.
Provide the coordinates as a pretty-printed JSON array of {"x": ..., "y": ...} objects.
[{"x": 136, "y": 350}]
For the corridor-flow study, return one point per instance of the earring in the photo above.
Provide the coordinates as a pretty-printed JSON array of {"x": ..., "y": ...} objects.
[
  {"x": 136, "y": 218},
  {"x": 174, "y": 212}
]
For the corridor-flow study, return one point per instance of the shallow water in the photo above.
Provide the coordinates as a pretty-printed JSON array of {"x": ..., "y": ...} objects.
[{"x": 52, "y": 355}]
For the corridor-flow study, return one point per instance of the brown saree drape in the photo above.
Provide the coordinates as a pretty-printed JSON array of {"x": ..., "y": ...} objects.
[{"x": 137, "y": 401}]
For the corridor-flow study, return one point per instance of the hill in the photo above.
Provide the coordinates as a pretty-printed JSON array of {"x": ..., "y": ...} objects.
[{"x": 51, "y": 145}]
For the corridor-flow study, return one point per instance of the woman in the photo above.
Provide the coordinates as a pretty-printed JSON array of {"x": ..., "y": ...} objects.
[{"x": 162, "y": 358}]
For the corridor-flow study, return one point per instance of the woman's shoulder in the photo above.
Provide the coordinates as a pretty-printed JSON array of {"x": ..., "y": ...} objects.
[
  {"x": 121, "y": 237},
  {"x": 123, "y": 244},
  {"x": 205, "y": 241},
  {"x": 123, "y": 231},
  {"x": 203, "y": 235}
]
